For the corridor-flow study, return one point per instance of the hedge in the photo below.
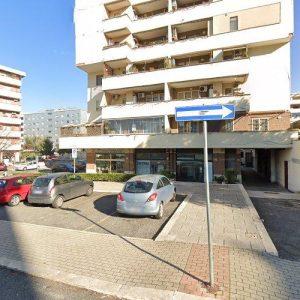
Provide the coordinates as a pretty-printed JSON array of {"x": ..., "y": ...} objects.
[{"x": 113, "y": 177}]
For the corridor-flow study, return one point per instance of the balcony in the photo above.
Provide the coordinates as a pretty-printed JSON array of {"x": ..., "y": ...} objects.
[
  {"x": 247, "y": 140},
  {"x": 9, "y": 94},
  {"x": 144, "y": 10},
  {"x": 10, "y": 81},
  {"x": 141, "y": 110},
  {"x": 82, "y": 130},
  {"x": 189, "y": 73},
  {"x": 10, "y": 134},
  {"x": 16, "y": 107},
  {"x": 10, "y": 120},
  {"x": 151, "y": 37}
]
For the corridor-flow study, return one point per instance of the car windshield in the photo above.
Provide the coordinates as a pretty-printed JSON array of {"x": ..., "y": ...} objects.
[
  {"x": 138, "y": 187},
  {"x": 2, "y": 183},
  {"x": 42, "y": 182}
]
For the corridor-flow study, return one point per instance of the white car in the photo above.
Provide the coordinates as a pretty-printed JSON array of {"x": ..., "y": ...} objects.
[{"x": 32, "y": 165}]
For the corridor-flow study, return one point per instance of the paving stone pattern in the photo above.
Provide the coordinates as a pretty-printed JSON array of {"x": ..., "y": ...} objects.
[
  {"x": 241, "y": 274},
  {"x": 233, "y": 223}
]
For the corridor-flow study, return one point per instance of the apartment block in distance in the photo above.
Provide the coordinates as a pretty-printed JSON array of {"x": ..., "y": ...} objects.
[
  {"x": 47, "y": 123},
  {"x": 145, "y": 58},
  {"x": 11, "y": 129}
]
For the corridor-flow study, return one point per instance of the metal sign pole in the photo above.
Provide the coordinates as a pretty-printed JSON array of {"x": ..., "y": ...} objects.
[
  {"x": 74, "y": 165},
  {"x": 210, "y": 248}
]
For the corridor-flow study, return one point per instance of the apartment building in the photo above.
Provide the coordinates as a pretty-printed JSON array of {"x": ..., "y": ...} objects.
[
  {"x": 295, "y": 109},
  {"x": 11, "y": 129},
  {"x": 47, "y": 123},
  {"x": 144, "y": 58}
]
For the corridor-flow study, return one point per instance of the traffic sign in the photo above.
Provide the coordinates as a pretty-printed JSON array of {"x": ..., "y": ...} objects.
[
  {"x": 74, "y": 153},
  {"x": 205, "y": 113}
]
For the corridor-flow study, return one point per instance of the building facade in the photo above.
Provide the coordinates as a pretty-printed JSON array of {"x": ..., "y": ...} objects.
[
  {"x": 11, "y": 129},
  {"x": 295, "y": 109},
  {"x": 47, "y": 123},
  {"x": 144, "y": 58}
]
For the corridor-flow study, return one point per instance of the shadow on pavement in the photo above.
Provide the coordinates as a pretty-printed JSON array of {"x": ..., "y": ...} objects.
[{"x": 138, "y": 247}]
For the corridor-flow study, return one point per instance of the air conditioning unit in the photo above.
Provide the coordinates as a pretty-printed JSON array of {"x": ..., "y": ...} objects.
[
  {"x": 203, "y": 88},
  {"x": 141, "y": 95}
]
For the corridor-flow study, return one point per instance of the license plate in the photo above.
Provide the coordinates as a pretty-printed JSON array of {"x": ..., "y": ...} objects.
[{"x": 38, "y": 192}]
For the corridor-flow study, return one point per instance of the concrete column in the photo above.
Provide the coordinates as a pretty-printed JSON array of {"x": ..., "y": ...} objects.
[
  {"x": 170, "y": 34},
  {"x": 171, "y": 160},
  {"x": 273, "y": 166},
  {"x": 218, "y": 161},
  {"x": 91, "y": 161},
  {"x": 170, "y": 5},
  {"x": 167, "y": 124},
  {"x": 167, "y": 92},
  {"x": 17, "y": 157},
  {"x": 238, "y": 165},
  {"x": 129, "y": 164}
]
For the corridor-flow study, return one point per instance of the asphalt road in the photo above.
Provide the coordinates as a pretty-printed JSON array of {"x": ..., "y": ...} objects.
[
  {"x": 282, "y": 221},
  {"x": 16, "y": 285},
  {"x": 96, "y": 213}
]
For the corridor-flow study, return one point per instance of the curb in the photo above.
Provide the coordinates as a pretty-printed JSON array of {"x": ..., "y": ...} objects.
[
  {"x": 96, "y": 285},
  {"x": 164, "y": 234},
  {"x": 266, "y": 239}
]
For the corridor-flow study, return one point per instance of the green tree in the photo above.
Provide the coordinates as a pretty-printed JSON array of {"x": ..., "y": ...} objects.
[
  {"x": 47, "y": 147},
  {"x": 33, "y": 143}
]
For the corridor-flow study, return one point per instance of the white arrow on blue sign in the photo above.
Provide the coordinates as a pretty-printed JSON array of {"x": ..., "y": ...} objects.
[{"x": 205, "y": 113}]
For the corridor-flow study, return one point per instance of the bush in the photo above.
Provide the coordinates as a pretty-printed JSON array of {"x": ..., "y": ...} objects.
[
  {"x": 219, "y": 179},
  {"x": 167, "y": 174},
  {"x": 113, "y": 177},
  {"x": 231, "y": 176}
]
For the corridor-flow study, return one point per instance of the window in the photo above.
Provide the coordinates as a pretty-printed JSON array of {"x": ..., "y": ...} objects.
[
  {"x": 136, "y": 187},
  {"x": 160, "y": 185},
  {"x": 165, "y": 181},
  {"x": 260, "y": 124},
  {"x": 98, "y": 80},
  {"x": 234, "y": 24}
]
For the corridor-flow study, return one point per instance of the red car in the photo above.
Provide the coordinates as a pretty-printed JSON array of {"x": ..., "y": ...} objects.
[
  {"x": 3, "y": 167},
  {"x": 15, "y": 189}
]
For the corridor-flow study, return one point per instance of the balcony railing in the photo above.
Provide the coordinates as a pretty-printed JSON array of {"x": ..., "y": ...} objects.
[{"x": 82, "y": 130}]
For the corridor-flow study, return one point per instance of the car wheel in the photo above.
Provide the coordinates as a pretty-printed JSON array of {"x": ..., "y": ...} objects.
[
  {"x": 174, "y": 197},
  {"x": 58, "y": 202},
  {"x": 89, "y": 191},
  {"x": 160, "y": 212},
  {"x": 24, "y": 169},
  {"x": 14, "y": 200}
]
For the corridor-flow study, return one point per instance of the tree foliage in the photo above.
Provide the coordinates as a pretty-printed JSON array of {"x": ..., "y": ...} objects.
[{"x": 47, "y": 147}]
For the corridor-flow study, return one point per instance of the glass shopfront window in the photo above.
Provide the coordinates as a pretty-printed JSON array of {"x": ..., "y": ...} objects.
[
  {"x": 135, "y": 126},
  {"x": 110, "y": 162},
  {"x": 150, "y": 162}
]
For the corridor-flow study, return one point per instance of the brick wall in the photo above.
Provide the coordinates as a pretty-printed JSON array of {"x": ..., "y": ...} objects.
[
  {"x": 277, "y": 121},
  {"x": 218, "y": 161}
]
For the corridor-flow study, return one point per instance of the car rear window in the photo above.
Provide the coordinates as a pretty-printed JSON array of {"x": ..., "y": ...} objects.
[
  {"x": 42, "y": 182},
  {"x": 138, "y": 187},
  {"x": 3, "y": 183}
]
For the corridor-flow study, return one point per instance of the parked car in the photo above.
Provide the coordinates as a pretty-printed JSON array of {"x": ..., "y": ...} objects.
[
  {"x": 31, "y": 165},
  {"x": 15, "y": 189},
  {"x": 146, "y": 195},
  {"x": 3, "y": 167},
  {"x": 56, "y": 188},
  {"x": 64, "y": 167}
]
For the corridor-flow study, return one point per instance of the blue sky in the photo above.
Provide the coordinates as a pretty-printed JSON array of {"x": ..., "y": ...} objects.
[{"x": 38, "y": 38}]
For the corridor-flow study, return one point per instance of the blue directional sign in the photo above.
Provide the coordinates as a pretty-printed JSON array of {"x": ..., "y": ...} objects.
[{"x": 205, "y": 113}]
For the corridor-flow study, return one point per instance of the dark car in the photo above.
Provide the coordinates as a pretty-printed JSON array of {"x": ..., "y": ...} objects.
[
  {"x": 3, "y": 167},
  {"x": 56, "y": 188},
  {"x": 64, "y": 167}
]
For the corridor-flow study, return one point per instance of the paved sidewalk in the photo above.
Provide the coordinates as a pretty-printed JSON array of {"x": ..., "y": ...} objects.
[
  {"x": 144, "y": 269},
  {"x": 235, "y": 221}
]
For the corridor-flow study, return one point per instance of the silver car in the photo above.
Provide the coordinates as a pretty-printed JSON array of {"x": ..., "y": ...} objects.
[
  {"x": 55, "y": 188},
  {"x": 146, "y": 195}
]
